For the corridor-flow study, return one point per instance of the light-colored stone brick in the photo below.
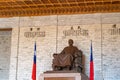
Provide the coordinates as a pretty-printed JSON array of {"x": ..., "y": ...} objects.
[
  {"x": 105, "y": 46},
  {"x": 5, "y": 49}
]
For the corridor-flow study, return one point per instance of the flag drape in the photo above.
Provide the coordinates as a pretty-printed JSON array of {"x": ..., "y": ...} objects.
[
  {"x": 91, "y": 63},
  {"x": 34, "y": 64}
]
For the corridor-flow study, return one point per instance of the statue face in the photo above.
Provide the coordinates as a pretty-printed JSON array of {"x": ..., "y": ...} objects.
[{"x": 70, "y": 42}]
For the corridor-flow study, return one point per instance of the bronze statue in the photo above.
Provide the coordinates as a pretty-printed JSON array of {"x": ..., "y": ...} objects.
[{"x": 69, "y": 59}]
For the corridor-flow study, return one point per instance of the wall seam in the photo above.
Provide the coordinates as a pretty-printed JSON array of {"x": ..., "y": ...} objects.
[{"x": 16, "y": 77}]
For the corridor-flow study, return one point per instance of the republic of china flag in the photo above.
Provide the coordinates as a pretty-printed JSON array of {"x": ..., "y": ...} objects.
[
  {"x": 34, "y": 64},
  {"x": 91, "y": 63}
]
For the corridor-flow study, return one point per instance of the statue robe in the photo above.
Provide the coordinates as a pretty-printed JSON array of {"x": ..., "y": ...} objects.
[{"x": 65, "y": 58}]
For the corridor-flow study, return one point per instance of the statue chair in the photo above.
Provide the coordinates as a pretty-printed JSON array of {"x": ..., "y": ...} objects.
[{"x": 75, "y": 60}]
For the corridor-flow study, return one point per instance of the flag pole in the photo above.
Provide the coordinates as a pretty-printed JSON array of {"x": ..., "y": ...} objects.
[
  {"x": 34, "y": 64},
  {"x": 91, "y": 63}
]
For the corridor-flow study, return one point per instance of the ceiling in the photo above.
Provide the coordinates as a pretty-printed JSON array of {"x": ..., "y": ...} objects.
[{"x": 9, "y": 8}]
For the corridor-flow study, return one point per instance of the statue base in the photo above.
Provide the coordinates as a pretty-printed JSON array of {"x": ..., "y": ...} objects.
[{"x": 62, "y": 75}]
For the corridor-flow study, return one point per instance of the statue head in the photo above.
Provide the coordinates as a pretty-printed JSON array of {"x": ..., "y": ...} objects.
[{"x": 70, "y": 42}]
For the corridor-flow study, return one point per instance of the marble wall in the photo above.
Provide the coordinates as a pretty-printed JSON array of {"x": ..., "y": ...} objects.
[
  {"x": 102, "y": 29},
  {"x": 5, "y": 50}
]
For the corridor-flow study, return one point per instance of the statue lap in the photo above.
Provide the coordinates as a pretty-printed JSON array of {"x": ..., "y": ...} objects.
[{"x": 68, "y": 61}]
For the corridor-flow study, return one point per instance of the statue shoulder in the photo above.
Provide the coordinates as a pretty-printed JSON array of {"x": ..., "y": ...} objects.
[
  {"x": 66, "y": 47},
  {"x": 76, "y": 48}
]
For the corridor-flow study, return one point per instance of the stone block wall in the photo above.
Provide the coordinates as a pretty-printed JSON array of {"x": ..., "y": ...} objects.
[
  {"x": 5, "y": 50},
  {"x": 102, "y": 29}
]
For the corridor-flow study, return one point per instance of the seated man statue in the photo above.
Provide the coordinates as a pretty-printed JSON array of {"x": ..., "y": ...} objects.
[{"x": 69, "y": 59}]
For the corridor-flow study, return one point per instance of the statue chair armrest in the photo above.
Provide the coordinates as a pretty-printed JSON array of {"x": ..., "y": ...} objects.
[
  {"x": 55, "y": 55},
  {"x": 78, "y": 53}
]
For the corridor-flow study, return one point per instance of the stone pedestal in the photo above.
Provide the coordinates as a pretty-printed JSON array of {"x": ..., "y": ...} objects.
[{"x": 62, "y": 76}]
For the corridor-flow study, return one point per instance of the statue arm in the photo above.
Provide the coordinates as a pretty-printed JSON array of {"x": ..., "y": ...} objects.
[
  {"x": 77, "y": 49},
  {"x": 78, "y": 52},
  {"x": 63, "y": 51}
]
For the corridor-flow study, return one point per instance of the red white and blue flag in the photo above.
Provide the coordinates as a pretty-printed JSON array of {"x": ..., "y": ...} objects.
[
  {"x": 91, "y": 64},
  {"x": 34, "y": 64}
]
